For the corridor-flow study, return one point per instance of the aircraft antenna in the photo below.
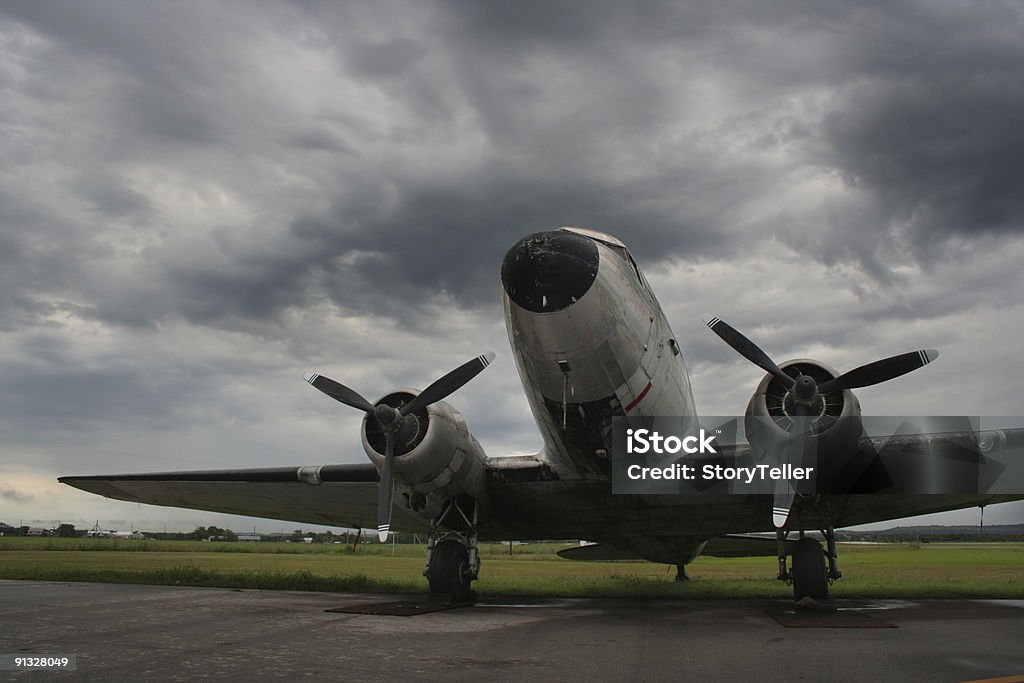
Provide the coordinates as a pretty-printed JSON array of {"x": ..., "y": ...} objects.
[{"x": 563, "y": 365}]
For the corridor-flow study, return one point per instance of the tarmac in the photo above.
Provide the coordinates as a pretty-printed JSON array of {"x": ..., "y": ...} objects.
[{"x": 169, "y": 633}]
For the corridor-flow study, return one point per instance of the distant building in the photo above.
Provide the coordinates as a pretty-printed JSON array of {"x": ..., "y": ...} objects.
[
  {"x": 250, "y": 537},
  {"x": 134, "y": 535},
  {"x": 36, "y": 531},
  {"x": 97, "y": 532}
]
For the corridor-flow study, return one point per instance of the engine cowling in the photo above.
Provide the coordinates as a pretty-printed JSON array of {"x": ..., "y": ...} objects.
[
  {"x": 834, "y": 430},
  {"x": 435, "y": 460}
]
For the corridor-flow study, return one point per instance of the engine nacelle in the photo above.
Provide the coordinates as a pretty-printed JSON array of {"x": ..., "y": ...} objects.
[
  {"x": 834, "y": 431},
  {"x": 438, "y": 460}
]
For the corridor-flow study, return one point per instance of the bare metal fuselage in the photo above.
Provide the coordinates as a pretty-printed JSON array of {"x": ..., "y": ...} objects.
[{"x": 608, "y": 352}]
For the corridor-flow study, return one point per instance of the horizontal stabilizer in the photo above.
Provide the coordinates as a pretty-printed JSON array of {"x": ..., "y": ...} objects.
[
  {"x": 734, "y": 545},
  {"x": 741, "y": 545},
  {"x": 597, "y": 552}
]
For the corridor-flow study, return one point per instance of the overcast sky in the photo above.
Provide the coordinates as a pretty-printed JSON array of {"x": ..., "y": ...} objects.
[{"x": 201, "y": 201}]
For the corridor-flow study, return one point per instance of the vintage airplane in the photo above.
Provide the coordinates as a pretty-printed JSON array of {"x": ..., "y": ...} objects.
[{"x": 591, "y": 343}]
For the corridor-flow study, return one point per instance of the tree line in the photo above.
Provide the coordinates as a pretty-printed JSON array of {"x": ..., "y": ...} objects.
[{"x": 216, "y": 533}]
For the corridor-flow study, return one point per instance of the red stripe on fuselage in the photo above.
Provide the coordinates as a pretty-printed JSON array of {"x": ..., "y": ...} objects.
[{"x": 638, "y": 398}]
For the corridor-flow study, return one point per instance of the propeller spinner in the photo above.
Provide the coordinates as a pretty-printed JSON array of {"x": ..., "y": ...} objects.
[
  {"x": 804, "y": 397},
  {"x": 398, "y": 421}
]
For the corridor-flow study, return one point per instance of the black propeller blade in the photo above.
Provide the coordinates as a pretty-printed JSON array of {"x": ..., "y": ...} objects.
[
  {"x": 339, "y": 392},
  {"x": 880, "y": 371},
  {"x": 748, "y": 349},
  {"x": 449, "y": 383},
  {"x": 393, "y": 421}
]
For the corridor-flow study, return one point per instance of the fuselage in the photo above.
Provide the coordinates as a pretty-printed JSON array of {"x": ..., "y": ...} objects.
[{"x": 591, "y": 343}]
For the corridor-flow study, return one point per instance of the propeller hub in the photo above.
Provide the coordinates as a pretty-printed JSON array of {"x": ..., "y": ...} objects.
[
  {"x": 805, "y": 388},
  {"x": 803, "y": 398},
  {"x": 385, "y": 414}
]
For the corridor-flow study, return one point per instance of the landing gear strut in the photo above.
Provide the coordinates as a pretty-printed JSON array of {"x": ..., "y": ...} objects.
[
  {"x": 453, "y": 560},
  {"x": 809, "y": 576}
]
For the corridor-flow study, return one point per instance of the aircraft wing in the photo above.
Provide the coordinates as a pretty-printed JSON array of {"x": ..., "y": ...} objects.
[
  {"x": 528, "y": 500},
  {"x": 332, "y": 495}
]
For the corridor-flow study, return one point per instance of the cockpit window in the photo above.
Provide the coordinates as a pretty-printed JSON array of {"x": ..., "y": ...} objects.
[
  {"x": 628, "y": 258},
  {"x": 636, "y": 269}
]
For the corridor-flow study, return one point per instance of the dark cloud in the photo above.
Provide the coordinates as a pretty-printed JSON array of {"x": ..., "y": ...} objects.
[
  {"x": 389, "y": 59},
  {"x": 320, "y": 140},
  {"x": 130, "y": 394},
  {"x": 925, "y": 123},
  {"x": 941, "y": 157},
  {"x": 587, "y": 112},
  {"x": 15, "y": 496},
  {"x": 109, "y": 196},
  {"x": 591, "y": 113}
]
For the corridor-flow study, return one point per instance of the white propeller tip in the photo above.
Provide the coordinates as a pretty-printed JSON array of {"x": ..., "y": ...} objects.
[
  {"x": 382, "y": 535},
  {"x": 489, "y": 357},
  {"x": 930, "y": 355},
  {"x": 779, "y": 517},
  {"x": 309, "y": 377}
]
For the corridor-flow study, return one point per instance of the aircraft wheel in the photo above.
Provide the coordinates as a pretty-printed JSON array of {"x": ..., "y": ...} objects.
[
  {"x": 449, "y": 565},
  {"x": 810, "y": 578}
]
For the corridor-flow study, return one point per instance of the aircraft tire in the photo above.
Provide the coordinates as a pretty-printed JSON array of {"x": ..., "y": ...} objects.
[
  {"x": 448, "y": 563},
  {"x": 810, "y": 578}
]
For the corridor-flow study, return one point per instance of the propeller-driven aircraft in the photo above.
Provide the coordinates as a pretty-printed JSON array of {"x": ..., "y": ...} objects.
[{"x": 591, "y": 344}]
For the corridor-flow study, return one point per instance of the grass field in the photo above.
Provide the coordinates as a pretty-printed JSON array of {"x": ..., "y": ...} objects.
[{"x": 994, "y": 570}]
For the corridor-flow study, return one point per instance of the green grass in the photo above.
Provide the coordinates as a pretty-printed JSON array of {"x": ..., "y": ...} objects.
[
  {"x": 892, "y": 571},
  {"x": 522, "y": 551}
]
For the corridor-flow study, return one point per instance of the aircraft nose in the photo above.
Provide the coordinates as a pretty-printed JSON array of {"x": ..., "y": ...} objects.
[{"x": 549, "y": 271}]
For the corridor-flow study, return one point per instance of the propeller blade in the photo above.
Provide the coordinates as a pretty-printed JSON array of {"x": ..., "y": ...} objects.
[
  {"x": 748, "y": 349},
  {"x": 782, "y": 503},
  {"x": 385, "y": 492},
  {"x": 782, "y": 500},
  {"x": 880, "y": 371},
  {"x": 338, "y": 391},
  {"x": 448, "y": 384}
]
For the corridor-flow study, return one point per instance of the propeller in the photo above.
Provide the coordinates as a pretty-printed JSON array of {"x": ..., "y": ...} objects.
[
  {"x": 804, "y": 397},
  {"x": 396, "y": 422}
]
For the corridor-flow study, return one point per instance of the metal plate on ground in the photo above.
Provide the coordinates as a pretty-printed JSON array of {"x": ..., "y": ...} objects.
[
  {"x": 826, "y": 618},
  {"x": 400, "y": 608}
]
